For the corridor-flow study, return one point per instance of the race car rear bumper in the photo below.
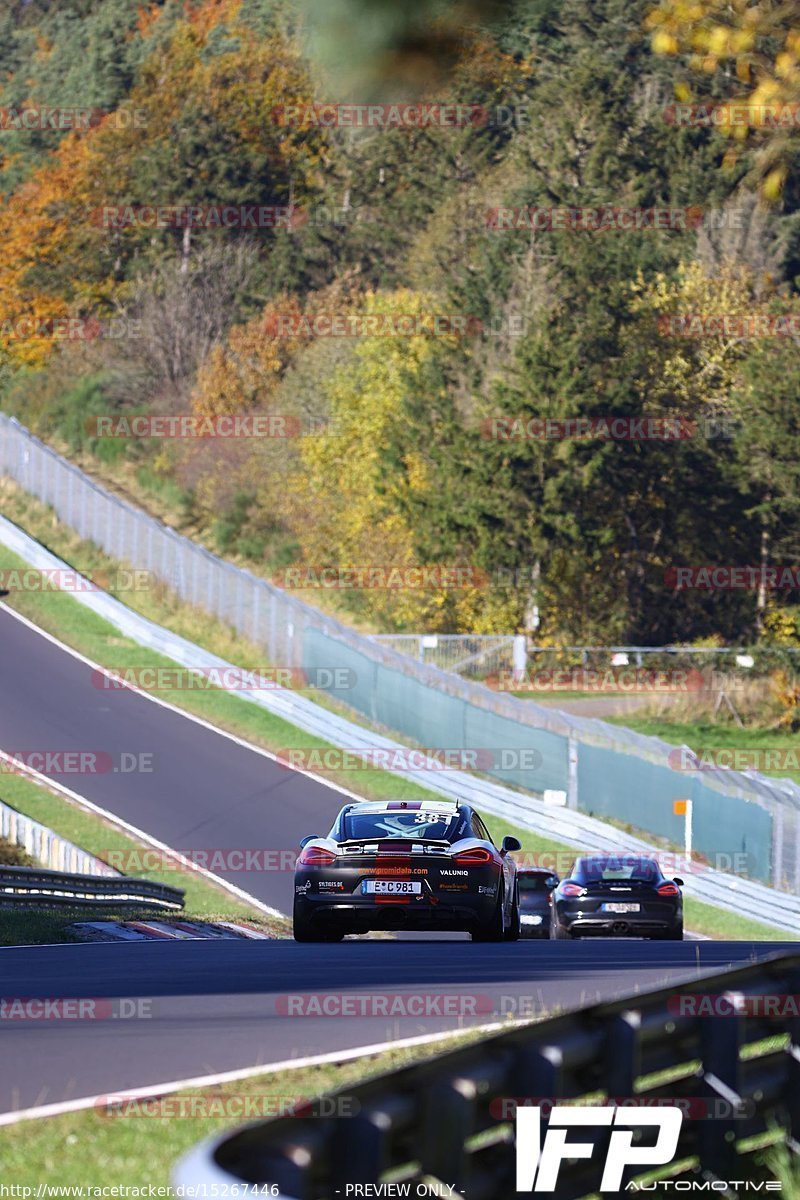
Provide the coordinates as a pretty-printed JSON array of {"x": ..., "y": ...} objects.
[{"x": 361, "y": 915}]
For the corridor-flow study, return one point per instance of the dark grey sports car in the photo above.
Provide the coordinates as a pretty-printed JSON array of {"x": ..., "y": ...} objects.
[
  {"x": 406, "y": 865},
  {"x": 619, "y": 896}
]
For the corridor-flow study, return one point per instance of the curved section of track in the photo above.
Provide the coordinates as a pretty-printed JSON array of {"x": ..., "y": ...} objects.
[{"x": 205, "y": 791}]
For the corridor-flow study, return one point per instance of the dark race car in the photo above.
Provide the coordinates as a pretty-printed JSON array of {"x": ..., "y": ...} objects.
[
  {"x": 619, "y": 896},
  {"x": 536, "y": 886},
  {"x": 418, "y": 865}
]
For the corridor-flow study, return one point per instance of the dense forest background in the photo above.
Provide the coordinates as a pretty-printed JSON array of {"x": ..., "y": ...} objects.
[{"x": 396, "y": 465}]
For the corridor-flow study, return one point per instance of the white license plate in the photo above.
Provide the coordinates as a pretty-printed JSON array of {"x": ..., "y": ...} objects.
[
  {"x": 390, "y": 887},
  {"x": 620, "y": 907}
]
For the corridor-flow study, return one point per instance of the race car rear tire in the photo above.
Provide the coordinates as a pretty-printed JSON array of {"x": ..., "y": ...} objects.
[
  {"x": 513, "y": 931},
  {"x": 494, "y": 929}
]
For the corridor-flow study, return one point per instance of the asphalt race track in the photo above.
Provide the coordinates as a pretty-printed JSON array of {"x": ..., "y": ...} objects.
[
  {"x": 205, "y": 791},
  {"x": 216, "y": 1006}
]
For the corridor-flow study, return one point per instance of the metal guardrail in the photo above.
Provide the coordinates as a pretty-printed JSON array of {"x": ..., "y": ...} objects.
[
  {"x": 449, "y": 1120},
  {"x": 31, "y": 886},
  {"x": 780, "y": 909},
  {"x": 47, "y": 847}
]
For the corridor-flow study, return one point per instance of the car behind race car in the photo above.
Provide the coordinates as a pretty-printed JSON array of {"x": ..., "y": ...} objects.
[
  {"x": 619, "y": 896},
  {"x": 536, "y": 885},
  {"x": 403, "y": 864}
]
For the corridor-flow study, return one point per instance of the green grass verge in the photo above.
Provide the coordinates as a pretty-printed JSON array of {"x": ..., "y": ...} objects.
[
  {"x": 726, "y": 926},
  {"x": 706, "y": 735},
  {"x": 92, "y": 1148},
  {"x": 50, "y": 926}
]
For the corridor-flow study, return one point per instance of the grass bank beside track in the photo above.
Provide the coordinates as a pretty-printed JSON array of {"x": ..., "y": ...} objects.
[
  {"x": 63, "y": 616},
  {"x": 721, "y": 735}
]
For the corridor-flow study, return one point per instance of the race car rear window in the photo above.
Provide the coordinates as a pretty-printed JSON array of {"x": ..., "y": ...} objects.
[
  {"x": 532, "y": 883},
  {"x": 619, "y": 869},
  {"x": 368, "y": 826}
]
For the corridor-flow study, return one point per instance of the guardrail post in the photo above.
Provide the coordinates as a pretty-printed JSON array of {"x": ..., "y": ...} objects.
[
  {"x": 358, "y": 1149},
  {"x": 450, "y": 1120},
  {"x": 720, "y": 1041}
]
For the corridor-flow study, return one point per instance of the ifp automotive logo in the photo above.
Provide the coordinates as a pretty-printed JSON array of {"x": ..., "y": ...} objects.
[{"x": 539, "y": 1160}]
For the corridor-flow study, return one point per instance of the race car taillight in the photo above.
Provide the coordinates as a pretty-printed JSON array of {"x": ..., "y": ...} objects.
[
  {"x": 316, "y": 856},
  {"x": 477, "y": 857},
  {"x": 667, "y": 889},
  {"x": 571, "y": 889}
]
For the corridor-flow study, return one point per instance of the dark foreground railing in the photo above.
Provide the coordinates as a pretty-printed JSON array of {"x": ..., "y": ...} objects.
[{"x": 451, "y": 1120}]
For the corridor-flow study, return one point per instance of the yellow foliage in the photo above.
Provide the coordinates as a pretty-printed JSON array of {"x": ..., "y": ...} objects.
[
  {"x": 348, "y": 502},
  {"x": 687, "y": 374},
  {"x": 761, "y": 42}
]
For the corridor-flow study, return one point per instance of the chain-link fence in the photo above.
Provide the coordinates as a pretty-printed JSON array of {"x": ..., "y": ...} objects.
[
  {"x": 473, "y": 655},
  {"x": 743, "y": 818}
]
